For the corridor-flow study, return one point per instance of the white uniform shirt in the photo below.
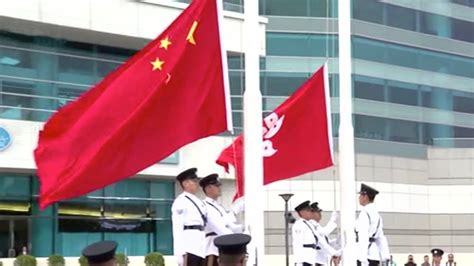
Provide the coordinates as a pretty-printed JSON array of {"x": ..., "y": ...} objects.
[
  {"x": 370, "y": 224},
  {"x": 218, "y": 221},
  {"x": 185, "y": 213},
  {"x": 303, "y": 234},
  {"x": 325, "y": 250}
]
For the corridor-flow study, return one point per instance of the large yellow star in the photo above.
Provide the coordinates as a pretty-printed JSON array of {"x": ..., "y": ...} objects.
[
  {"x": 157, "y": 64},
  {"x": 165, "y": 43}
]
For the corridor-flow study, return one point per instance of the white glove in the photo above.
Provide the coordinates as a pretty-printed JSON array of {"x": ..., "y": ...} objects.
[
  {"x": 180, "y": 259},
  {"x": 338, "y": 253},
  {"x": 334, "y": 217},
  {"x": 364, "y": 263},
  {"x": 238, "y": 206},
  {"x": 236, "y": 228}
]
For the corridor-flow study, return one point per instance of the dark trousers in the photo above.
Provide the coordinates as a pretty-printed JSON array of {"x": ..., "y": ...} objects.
[
  {"x": 193, "y": 260},
  {"x": 211, "y": 260},
  {"x": 307, "y": 264},
  {"x": 371, "y": 263}
]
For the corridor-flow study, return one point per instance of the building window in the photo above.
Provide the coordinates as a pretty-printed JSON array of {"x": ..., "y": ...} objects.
[
  {"x": 135, "y": 213},
  {"x": 377, "y": 11},
  {"x": 403, "y": 131},
  {"x": 370, "y": 127},
  {"x": 469, "y": 3},
  {"x": 402, "y": 93},
  {"x": 401, "y": 17},
  {"x": 395, "y": 54},
  {"x": 368, "y": 10},
  {"x": 369, "y": 88},
  {"x": 463, "y": 102},
  {"x": 300, "y": 8},
  {"x": 301, "y": 44},
  {"x": 16, "y": 100}
]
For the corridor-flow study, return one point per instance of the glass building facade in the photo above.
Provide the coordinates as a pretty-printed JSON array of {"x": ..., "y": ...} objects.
[
  {"x": 135, "y": 213},
  {"x": 413, "y": 82}
]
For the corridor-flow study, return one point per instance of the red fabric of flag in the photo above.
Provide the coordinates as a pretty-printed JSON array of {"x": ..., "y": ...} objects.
[
  {"x": 169, "y": 94},
  {"x": 297, "y": 136}
]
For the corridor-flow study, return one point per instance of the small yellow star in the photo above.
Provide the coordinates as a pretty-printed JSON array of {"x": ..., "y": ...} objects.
[
  {"x": 157, "y": 64},
  {"x": 165, "y": 43}
]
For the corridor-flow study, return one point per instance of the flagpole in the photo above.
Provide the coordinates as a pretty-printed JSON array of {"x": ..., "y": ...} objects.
[
  {"x": 253, "y": 160},
  {"x": 346, "y": 138}
]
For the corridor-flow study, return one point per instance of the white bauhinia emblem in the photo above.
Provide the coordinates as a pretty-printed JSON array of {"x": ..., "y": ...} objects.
[{"x": 272, "y": 125}]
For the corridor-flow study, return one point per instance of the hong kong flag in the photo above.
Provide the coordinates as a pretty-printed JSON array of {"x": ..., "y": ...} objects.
[
  {"x": 171, "y": 93},
  {"x": 297, "y": 136}
]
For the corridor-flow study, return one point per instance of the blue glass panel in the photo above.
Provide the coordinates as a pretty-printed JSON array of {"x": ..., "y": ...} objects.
[
  {"x": 128, "y": 188},
  {"x": 463, "y": 102},
  {"x": 368, "y": 10},
  {"x": 285, "y": 8},
  {"x": 300, "y": 44},
  {"x": 401, "y": 17},
  {"x": 434, "y": 24},
  {"x": 369, "y": 88},
  {"x": 370, "y": 127},
  {"x": 164, "y": 237},
  {"x": 403, "y": 131},
  {"x": 15, "y": 187},
  {"x": 283, "y": 83},
  {"x": 80, "y": 241},
  {"x": 300, "y": 8},
  {"x": 132, "y": 244},
  {"x": 369, "y": 50},
  {"x": 382, "y": 12},
  {"x": 463, "y": 30},
  {"x": 463, "y": 132},
  {"x": 401, "y": 55},
  {"x": 402, "y": 93},
  {"x": 162, "y": 190},
  {"x": 469, "y": 3}
]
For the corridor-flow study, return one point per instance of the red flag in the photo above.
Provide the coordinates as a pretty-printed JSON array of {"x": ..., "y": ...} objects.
[
  {"x": 297, "y": 136},
  {"x": 169, "y": 94}
]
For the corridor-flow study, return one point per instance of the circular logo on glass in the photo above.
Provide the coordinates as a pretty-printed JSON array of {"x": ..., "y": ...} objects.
[{"x": 5, "y": 139}]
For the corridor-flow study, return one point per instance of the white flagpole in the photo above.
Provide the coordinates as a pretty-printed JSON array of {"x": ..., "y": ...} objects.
[
  {"x": 253, "y": 147},
  {"x": 346, "y": 137}
]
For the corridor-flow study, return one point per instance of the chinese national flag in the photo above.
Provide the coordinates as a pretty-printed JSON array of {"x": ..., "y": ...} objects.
[
  {"x": 169, "y": 94},
  {"x": 297, "y": 136}
]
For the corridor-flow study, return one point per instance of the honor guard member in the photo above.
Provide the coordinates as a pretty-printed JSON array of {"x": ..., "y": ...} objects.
[
  {"x": 219, "y": 220},
  {"x": 305, "y": 240},
  {"x": 189, "y": 216},
  {"x": 100, "y": 253},
  {"x": 324, "y": 250},
  {"x": 232, "y": 249},
  {"x": 437, "y": 256},
  {"x": 372, "y": 246}
]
